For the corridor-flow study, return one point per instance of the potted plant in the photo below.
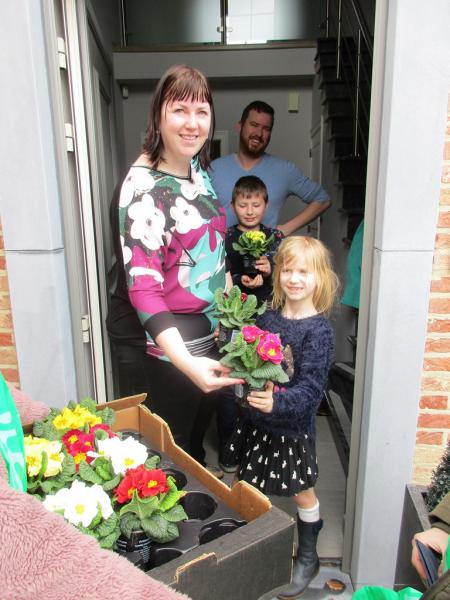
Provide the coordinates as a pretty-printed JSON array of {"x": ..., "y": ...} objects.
[
  {"x": 106, "y": 486},
  {"x": 252, "y": 245},
  {"x": 254, "y": 355},
  {"x": 234, "y": 311}
]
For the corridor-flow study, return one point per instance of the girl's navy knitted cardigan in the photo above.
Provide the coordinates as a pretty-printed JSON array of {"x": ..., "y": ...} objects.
[{"x": 295, "y": 405}]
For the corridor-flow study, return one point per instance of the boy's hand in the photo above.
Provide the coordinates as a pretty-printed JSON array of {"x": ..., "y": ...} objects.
[
  {"x": 262, "y": 400},
  {"x": 252, "y": 282},
  {"x": 263, "y": 265}
]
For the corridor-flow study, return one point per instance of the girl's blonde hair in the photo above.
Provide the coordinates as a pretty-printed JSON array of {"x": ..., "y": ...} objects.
[{"x": 318, "y": 260}]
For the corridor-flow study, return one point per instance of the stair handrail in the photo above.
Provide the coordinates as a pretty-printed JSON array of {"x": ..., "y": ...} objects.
[{"x": 361, "y": 31}]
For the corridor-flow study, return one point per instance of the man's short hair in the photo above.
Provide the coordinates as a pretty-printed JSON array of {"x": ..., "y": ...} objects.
[
  {"x": 249, "y": 185},
  {"x": 259, "y": 106}
]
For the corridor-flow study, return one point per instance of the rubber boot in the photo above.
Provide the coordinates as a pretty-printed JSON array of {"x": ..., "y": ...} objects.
[{"x": 306, "y": 565}]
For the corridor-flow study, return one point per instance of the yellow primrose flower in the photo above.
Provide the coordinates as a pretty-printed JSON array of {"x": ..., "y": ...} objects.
[
  {"x": 75, "y": 419},
  {"x": 256, "y": 236},
  {"x": 34, "y": 448}
]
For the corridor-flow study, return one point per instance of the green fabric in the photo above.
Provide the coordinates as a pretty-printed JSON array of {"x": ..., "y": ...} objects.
[
  {"x": 11, "y": 439},
  {"x": 372, "y": 592},
  {"x": 350, "y": 297}
]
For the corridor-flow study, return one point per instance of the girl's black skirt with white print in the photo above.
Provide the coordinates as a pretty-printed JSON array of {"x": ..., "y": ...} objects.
[{"x": 275, "y": 464}]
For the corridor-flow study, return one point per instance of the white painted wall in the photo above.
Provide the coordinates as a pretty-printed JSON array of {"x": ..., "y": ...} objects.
[
  {"x": 30, "y": 211},
  {"x": 409, "y": 103}
]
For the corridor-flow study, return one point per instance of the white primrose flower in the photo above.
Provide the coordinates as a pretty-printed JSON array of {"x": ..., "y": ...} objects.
[
  {"x": 58, "y": 501},
  {"x": 125, "y": 454},
  {"x": 80, "y": 503}
]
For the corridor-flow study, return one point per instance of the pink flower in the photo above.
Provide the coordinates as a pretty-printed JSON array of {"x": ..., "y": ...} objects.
[
  {"x": 269, "y": 348},
  {"x": 251, "y": 333}
]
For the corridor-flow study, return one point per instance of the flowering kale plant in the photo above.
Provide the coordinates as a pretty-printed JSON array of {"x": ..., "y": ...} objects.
[
  {"x": 104, "y": 485},
  {"x": 255, "y": 356},
  {"x": 253, "y": 243},
  {"x": 235, "y": 309}
]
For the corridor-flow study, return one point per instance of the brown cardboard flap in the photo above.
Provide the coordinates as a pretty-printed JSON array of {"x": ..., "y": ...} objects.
[{"x": 122, "y": 403}]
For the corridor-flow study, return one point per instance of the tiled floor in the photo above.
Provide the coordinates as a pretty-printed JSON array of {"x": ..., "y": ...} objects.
[{"x": 330, "y": 490}]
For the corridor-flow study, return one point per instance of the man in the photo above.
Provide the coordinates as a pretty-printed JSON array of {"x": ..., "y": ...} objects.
[{"x": 281, "y": 177}]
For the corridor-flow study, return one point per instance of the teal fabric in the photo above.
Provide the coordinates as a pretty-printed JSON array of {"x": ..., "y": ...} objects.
[
  {"x": 11, "y": 439},
  {"x": 350, "y": 296}
]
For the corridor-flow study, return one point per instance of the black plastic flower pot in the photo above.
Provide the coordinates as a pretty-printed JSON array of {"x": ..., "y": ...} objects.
[
  {"x": 136, "y": 549},
  {"x": 248, "y": 265},
  {"x": 225, "y": 335},
  {"x": 242, "y": 391}
]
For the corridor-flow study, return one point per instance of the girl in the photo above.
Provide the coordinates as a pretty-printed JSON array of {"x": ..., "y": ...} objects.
[
  {"x": 169, "y": 230},
  {"x": 274, "y": 443}
]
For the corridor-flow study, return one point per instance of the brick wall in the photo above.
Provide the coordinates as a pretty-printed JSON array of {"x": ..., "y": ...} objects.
[
  {"x": 433, "y": 426},
  {"x": 8, "y": 356}
]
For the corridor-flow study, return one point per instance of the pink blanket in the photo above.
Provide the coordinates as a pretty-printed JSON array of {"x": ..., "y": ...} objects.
[{"x": 44, "y": 558}]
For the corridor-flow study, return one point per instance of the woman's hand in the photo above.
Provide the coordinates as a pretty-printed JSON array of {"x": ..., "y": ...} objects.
[
  {"x": 209, "y": 374},
  {"x": 252, "y": 283},
  {"x": 434, "y": 538},
  {"x": 262, "y": 400},
  {"x": 263, "y": 265}
]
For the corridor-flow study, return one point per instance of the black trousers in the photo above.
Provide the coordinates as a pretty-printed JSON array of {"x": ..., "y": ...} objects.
[{"x": 170, "y": 394}]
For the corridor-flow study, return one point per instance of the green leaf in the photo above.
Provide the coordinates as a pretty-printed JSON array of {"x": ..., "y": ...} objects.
[
  {"x": 129, "y": 523},
  {"x": 109, "y": 526},
  {"x": 71, "y": 405},
  {"x": 100, "y": 434},
  {"x": 87, "y": 473},
  {"x": 108, "y": 416},
  {"x": 170, "y": 499},
  {"x": 68, "y": 468},
  {"x": 89, "y": 404},
  {"x": 172, "y": 533},
  {"x": 108, "y": 541},
  {"x": 97, "y": 519},
  {"x": 152, "y": 462},
  {"x": 44, "y": 464},
  {"x": 112, "y": 483},
  {"x": 175, "y": 514},
  {"x": 142, "y": 507},
  {"x": 155, "y": 527},
  {"x": 103, "y": 471}
]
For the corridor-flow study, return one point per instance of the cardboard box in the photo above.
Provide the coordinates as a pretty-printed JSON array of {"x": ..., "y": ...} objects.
[{"x": 243, "y": 564}]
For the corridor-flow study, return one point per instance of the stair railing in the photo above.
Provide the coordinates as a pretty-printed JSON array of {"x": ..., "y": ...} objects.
[{"x": 346, "y": 23}]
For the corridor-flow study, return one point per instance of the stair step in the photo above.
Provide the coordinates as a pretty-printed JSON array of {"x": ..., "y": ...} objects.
[
  {"x": 343, "y": 145},
  {"x": 340, "y": 125},
  {"x": 352, "y": 169},
  {"x": 334, "y": 89},
  {"x": 338, "y": 107}
]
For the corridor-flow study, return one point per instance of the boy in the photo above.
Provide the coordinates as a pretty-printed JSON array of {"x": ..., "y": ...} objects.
[{"x": 249, "y": 202}]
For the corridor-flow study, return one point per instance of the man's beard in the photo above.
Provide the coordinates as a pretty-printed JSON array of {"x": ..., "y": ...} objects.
[{"x": 254, "y": 152}]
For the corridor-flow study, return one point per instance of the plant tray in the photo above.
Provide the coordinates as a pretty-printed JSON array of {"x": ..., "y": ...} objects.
[{"x": 252, "y": 558}]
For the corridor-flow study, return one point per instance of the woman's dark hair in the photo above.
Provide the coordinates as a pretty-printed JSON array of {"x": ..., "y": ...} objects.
[{"x": 180, "y": 82}]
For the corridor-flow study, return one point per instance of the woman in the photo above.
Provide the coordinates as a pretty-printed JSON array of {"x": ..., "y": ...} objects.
[{"x": 169, "y": 230}]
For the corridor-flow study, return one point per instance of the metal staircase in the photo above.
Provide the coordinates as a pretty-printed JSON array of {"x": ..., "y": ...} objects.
[{"x": 344, "y": 66}]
